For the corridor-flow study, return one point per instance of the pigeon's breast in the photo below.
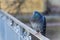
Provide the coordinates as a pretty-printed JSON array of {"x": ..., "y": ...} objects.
[{"x": 36, "y": 26}]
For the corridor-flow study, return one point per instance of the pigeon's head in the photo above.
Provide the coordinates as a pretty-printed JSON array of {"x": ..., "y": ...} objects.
[{"x": 36, "y": 15}]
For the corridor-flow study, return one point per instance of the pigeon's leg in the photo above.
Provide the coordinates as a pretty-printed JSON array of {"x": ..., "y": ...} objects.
[
  {"x": 38, "y": 32},
  {"x": 43, "y": 31}
]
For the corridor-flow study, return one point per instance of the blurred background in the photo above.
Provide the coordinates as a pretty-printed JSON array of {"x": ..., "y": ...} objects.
[{"x": 23, "y": 9}]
